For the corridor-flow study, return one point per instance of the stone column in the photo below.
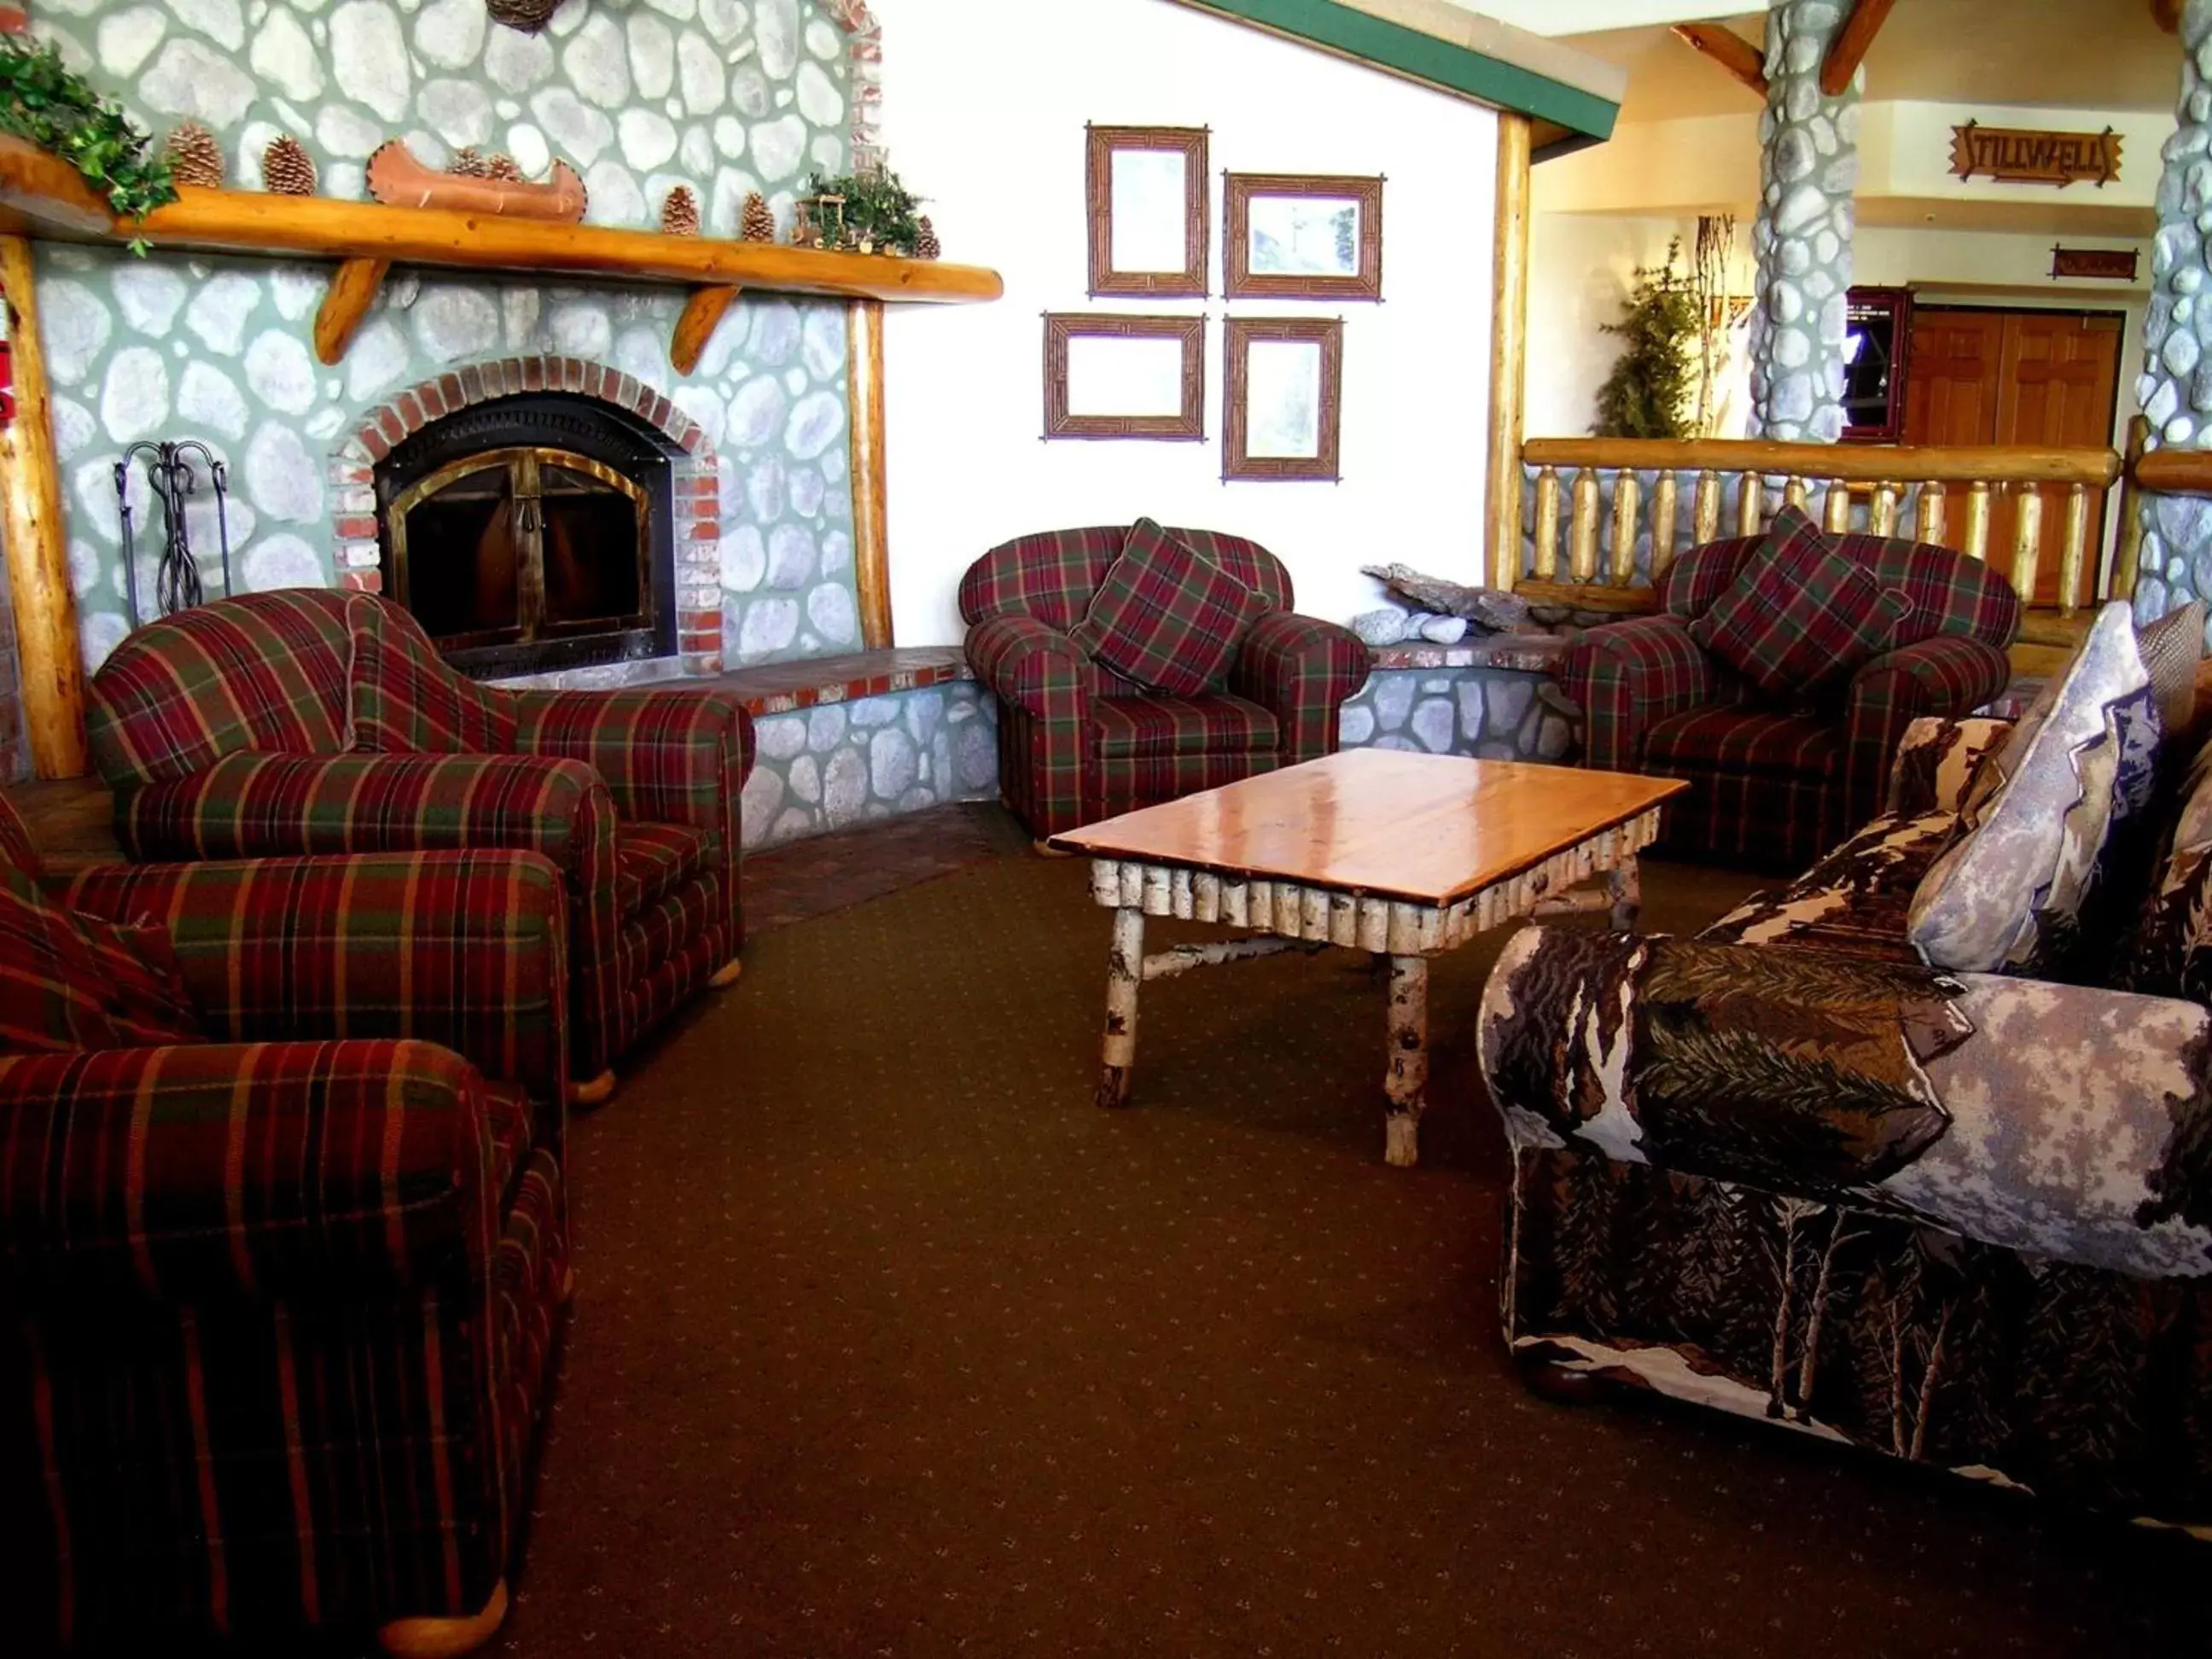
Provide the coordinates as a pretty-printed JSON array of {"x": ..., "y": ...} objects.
[
  {"x": 2175, "y": 388},
  {"x": 1801, "y": 237}
]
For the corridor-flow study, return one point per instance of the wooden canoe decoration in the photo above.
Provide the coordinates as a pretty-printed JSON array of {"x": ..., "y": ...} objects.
[{"x": 397, "y": 179}]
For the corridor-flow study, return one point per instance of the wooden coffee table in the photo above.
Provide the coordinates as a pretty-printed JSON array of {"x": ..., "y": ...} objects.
[{"x": 1399, "y": 854}]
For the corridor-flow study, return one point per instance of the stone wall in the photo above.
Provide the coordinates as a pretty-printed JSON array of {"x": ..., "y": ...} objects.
[
  {"x": 840, "y": 764},
  {"x": 639, "y": 95},
  {"x": 1801, "y": 236},
  {"x": 1493, "y": 699},
  {"x": 2175, "y": 388}
]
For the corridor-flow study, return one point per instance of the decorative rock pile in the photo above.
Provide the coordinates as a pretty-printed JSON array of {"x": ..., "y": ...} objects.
[
  {"x": 1802, "y": 235},
  {"x": 1437, "y": 611}
]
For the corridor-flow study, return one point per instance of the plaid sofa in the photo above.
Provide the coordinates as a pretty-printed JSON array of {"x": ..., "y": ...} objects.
[
  {"x": 225, "y": 732},
  {"x": 1771, "y": 785},
  {"x": 1787, "y": 1170},
  {"x": 1078, "y": 743},
  {"x": 280, "y": 1308}
]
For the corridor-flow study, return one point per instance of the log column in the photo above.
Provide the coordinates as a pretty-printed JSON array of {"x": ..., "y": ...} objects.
[
  {"x": 37, "y": 542},
  {"x": 1509, "y": 326}
]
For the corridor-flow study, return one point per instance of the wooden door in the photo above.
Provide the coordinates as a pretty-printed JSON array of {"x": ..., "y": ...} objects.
[
  {"x": 2055, "y": 388},
  {"x": 2044, "y": 378}
]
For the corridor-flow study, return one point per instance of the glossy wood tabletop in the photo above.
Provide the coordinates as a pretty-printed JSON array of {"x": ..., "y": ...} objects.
[{"x": 1430, "y": 827}]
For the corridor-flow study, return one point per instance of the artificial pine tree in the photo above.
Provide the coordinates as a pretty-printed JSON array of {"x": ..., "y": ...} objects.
[
  {"x": 1647, "y": 393},
  {"x": 758, "y": 222}
]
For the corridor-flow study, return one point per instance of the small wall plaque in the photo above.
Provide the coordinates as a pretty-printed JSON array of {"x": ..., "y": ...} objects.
[
  {"x": 2116, "y": 265},
  {"x": 2034, "y": 155}
]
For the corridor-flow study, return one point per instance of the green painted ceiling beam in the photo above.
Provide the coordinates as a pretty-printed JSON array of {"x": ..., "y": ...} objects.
[{"x": 1355, "y": 30}]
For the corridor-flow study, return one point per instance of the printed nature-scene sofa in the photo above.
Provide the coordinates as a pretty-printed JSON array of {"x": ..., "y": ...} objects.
[
  {"x": 308, "y": 721},
  {"x": 280, "y": 1290},
  {"x": 1078, "y": 742},
  {"x": 1786, "y": 1169},
  {"x": 1776, "y": 782}
]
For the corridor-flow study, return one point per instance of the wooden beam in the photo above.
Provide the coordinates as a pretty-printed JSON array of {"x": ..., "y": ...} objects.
[
  {"x": 37, "y": 542},
  {"x": 864, "y": 387},
  {"x": 1847, "y": 47},
  {"x": 702, "y": 312},
  {"x": 1746, "y": 62},
  {"x": 1509, "y": 335},
  {"x": 44, "y": 197},
  {"x": 353, "y": 290},
  {"x": 2166, "y": 13}
]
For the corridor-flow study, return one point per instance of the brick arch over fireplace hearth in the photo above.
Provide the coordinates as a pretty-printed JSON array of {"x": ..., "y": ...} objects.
[{"x": 696, "y": 477}]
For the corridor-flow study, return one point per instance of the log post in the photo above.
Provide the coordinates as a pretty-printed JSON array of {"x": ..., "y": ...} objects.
[
  {"x": 1125, "y": 972},
  {"x": 872, "y": 568},
  {"x": 1407, "y": 1081},
  {"x": 1509, "y": 338},
  {"x": 37, "y": 542}
]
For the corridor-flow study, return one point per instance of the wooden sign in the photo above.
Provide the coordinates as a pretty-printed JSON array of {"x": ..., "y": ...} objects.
[
  {"x": 2113, "y": 263},
  {"x": 2033, "y": 155}
]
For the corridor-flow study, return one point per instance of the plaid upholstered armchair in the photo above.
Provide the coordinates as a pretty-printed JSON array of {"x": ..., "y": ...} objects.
[
  {"x": 1079, "y": 741},
  {"x": 284, "y": 1242},
  {"x": 1775, "y": 781},
  {"x": 305, "y": 722}
]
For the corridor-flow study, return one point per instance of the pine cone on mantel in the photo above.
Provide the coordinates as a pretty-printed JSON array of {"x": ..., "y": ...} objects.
[
  {"x": 286, "y": 168},
  {"x": 680, "y": 214},
  {"x": 194, "y": 155}
]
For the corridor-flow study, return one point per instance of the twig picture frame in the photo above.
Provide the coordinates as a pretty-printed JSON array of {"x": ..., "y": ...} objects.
[
  {"x": 1124, "y": 377},
  {"x": 1302, "y": 236},
  {"x": 1283, "y": 412},
  {"x": 1146, "y": 191}
]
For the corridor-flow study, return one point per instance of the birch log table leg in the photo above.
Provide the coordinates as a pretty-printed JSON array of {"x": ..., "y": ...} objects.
[
  {"x": 1624, "y": 886},
  {"x": 1407, "y": 1081},
  {"x": 1125, "y": 972}
]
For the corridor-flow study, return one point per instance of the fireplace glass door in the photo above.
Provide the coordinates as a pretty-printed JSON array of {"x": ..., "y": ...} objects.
[{"x": 510, "y": 547}]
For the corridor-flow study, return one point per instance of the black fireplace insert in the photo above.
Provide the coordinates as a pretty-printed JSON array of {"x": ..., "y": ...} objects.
[{"x": 533, "y": 533}]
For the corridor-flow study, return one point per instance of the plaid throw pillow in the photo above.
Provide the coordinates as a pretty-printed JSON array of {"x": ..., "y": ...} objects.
[
  {"x": 405, "y": 699},
  {"x": 71, "y": 982},
  {"x": 1799, "y": 616},
  {"x": 1165, "y": 617}
]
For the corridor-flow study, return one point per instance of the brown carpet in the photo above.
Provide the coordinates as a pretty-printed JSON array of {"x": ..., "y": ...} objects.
[{"x": 888, "y": 1342}]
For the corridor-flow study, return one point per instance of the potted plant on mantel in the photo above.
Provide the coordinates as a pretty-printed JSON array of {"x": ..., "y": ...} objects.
[{"x": 58, "y": 112}]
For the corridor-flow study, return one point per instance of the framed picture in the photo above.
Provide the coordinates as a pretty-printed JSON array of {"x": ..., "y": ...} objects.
[
  {"x": 1285, "y": 398},
  {"x": 1147, "y": 190},
  {"x": 1302, "y": 236},
  {"x": 1124, "y": 377}
]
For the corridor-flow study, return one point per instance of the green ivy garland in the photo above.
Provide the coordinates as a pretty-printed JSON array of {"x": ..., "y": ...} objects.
[{"x": 42, "y": 101}]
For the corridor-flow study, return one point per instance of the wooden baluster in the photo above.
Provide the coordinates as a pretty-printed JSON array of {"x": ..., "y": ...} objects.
[
  {"x": 1749, "y": 504},
  {"x": 1663, "y": 527},
  {"x": 1928, "y": 515},
  {"x": 1975, "y": 544},
  {"x": 1707, "y": 516},
  {"x": 1881, "y": 514},
  {"x": 2127, "y": 546},
  {"x": 1547, "y": 525},
  {"x": 1793, "y": 493},
  {"x": 1836, "y": 510},
  {"x": 1582, "y": 529},
  {"x": 2073, "y": 552},
  {"x": 2026, "y": 541},
  {"x": 1626, "y": 494}
]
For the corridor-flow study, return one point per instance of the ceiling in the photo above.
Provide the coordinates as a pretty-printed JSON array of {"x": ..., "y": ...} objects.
[{"x": 2092, "y": 54}]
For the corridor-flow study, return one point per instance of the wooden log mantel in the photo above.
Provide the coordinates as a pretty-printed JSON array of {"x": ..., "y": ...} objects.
[{"x": 42, "y": 195}]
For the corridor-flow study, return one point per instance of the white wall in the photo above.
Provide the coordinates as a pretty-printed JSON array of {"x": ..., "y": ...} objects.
[
  {"x": 1580, "y": 268},
  {"x": 984, "y": 108}
]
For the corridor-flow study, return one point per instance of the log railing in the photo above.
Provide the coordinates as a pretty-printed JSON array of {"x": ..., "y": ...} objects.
[{"x": 1610, "y": 514}]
